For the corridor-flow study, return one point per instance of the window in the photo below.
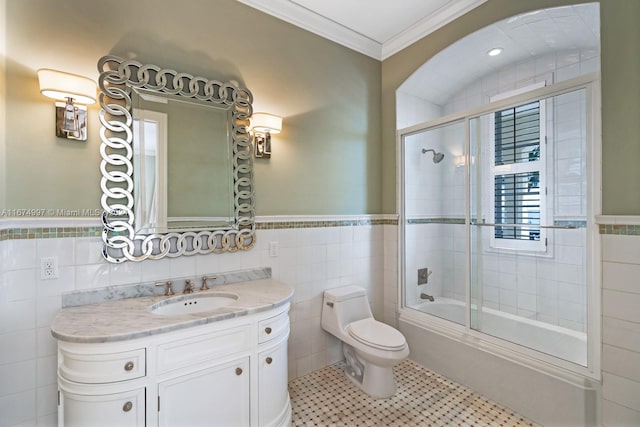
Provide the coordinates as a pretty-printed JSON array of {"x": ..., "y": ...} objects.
[
  {"x": 150, "y": 165},
  {"x": 519, "y": 193}
]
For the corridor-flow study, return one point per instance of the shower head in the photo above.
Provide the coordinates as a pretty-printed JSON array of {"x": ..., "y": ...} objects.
[{"x": 437, "y": 157}]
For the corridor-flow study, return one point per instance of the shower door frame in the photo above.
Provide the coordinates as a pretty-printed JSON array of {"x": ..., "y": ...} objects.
[{"x": 548, "y": 364}]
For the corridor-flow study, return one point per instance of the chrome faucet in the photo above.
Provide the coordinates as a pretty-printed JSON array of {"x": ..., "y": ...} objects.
[
  {"x": 427, "y": 297},
  {"x": 188, "y": 287}
]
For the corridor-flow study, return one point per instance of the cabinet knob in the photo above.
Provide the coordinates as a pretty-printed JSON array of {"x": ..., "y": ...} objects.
[
  {"x": 267, "y": 330},
  {"x": 238, "y": 371},
  {"x": 128, "y": 366},
  {"x": 269, "y": 360},
  {"x": 127, "y": 406}
]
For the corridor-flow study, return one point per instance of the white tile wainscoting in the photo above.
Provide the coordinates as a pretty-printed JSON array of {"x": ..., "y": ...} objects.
[
  {"x": 315, "y": 253},
  {"x": 620, "y": 320}
]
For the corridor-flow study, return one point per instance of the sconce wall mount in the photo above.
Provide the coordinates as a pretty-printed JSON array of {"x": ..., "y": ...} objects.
[
  {"x": 71, "y": 119},
  {"x": 263, "y": 125}
]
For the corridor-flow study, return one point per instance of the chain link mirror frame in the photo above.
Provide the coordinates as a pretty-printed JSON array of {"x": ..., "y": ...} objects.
[{"x": 118, "y": 77}]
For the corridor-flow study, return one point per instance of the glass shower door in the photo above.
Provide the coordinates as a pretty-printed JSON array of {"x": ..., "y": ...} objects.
[
  {"x": 528, "y": 201},
  {"x": 434, "y": 232}
]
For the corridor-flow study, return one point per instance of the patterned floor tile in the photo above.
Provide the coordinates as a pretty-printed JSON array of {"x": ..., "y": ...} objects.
[{"x": 423, "y": 398}]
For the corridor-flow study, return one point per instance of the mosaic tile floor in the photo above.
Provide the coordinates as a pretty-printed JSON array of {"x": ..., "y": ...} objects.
[{"x": 423, "y": 398}]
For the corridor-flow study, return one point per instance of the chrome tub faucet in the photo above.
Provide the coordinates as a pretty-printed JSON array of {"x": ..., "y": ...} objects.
[{"x": 427, "y": 297}]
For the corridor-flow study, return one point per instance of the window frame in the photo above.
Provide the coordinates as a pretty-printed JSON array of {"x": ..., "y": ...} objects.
[{"x": 540, "y": 166}]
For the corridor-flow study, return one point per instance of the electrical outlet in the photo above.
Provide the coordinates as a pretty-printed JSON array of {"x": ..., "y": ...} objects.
[
  {"x": 49, "y": 268},
  {"x": 274, "y": 249}
]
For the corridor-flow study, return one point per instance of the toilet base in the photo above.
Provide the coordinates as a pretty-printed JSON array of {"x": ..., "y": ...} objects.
[{"x": 377, "y": 381}]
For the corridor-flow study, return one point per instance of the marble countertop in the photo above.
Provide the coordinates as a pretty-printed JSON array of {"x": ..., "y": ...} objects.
[{"x": 130, "y": 318}]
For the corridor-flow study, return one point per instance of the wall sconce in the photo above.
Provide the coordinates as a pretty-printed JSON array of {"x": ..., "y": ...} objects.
[
  {"x": 459, "y": 161},
  {"x": 71, "y": 119},
  {"x": 263, "y": 126}
]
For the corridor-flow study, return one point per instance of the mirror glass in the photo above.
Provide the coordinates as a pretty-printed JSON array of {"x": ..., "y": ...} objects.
[
  {"x": 182, "y": 171},
  {"x": 177, "y": 171}
]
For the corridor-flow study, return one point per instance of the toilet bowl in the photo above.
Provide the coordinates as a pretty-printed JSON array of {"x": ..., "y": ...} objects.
[{"x": 371, "y": 348}]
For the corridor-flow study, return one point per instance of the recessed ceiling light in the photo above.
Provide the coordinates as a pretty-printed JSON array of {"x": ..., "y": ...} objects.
[{"x": 495, "y": 51}]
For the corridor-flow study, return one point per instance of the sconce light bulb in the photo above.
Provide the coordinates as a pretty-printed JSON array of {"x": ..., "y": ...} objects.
[{"x": 70, "y": 117}]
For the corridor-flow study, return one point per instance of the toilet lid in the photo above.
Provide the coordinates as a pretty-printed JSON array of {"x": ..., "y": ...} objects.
[{"x": 377, "y": 334}]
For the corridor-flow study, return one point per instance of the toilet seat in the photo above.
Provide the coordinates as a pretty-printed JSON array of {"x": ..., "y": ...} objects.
[{"x": 376, "y": 334}]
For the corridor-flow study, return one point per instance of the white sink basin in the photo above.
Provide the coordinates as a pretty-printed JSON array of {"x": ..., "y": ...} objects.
[{"x": 193, "y": 303}]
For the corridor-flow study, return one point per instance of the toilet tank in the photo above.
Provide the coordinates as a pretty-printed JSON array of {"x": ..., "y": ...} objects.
[{"x": 344, "y": 305}]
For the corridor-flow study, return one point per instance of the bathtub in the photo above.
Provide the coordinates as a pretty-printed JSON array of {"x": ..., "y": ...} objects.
[{"x": 550, "y": 339}]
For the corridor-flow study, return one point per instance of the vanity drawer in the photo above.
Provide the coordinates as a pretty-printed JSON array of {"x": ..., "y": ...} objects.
[
  {"x": 272, "y": 327},
  {"x": 103, "y": 368},
  {"x": 202, "y": 348}
]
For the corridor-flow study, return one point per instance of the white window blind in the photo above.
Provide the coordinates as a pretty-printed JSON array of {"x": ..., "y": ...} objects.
[{"x": 518, "y": 177}]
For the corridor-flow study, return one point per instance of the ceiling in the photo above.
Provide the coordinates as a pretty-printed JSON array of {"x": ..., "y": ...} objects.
[
  {"x": 569, "y": 31},
  {"x": 377, "y": 28},
  {"x": 380, "y": 28}
]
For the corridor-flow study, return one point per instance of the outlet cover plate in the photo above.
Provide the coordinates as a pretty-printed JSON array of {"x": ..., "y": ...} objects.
[
  {"x": 48, "y": 268},
  {"x": 274, "y": 249}
]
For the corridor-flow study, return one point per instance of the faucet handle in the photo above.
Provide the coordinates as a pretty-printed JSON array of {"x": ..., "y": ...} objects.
[
  {"x": 168, "y": 291},
  {"x": 204, "y": 286},
  {"x": 188, "y": 287}
]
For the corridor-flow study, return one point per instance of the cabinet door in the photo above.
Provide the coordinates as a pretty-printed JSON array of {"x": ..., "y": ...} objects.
[
  {"x": 217, "y": 396},
  {"x": 110, "y": 410},
  {"x": 273, "y": 385}
]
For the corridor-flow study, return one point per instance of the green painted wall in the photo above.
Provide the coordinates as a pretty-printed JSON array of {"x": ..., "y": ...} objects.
[
  {"x": 620, "y": 38},
  {"x": 620, "y": 92},
  {"x": 336, "y": 154},
  {"x": 327, "y": 160}
]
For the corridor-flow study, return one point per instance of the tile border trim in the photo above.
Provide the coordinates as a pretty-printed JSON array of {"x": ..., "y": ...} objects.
[
  {"x": 620, "y": 229},
  {"x": 323, "y": 223},
  {"x": 624, "y": 225},
  {"x": 461, "y": 221},
  {"x": 24, "y": 229},
  {"x": 609, "y": 225},
  {"x": 51, "y": 228}
]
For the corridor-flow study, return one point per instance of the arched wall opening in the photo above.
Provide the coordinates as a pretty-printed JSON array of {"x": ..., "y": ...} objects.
[{"x": 503, "y": 221}]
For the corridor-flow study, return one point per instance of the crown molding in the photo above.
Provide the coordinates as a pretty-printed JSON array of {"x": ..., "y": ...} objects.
[
  {"x": 310, "y": 21},
  {"x": 427, "y": 25},
  {"x": 299, "y": 16}
]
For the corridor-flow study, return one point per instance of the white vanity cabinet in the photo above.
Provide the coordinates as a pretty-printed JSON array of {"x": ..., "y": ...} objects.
[
  {"x": 230, "y": 372},
  {"x": 120, "y": 409},
  {"x": 273, "y": 385},
  {"x": 216, "y": 396}
]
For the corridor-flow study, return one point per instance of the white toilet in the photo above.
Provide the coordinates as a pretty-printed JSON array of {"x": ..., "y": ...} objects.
[{"x": 371, "y": 348}]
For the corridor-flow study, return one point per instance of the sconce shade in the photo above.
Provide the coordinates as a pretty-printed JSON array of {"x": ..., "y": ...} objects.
[
  {"x": 60, "y": 85},
  {"x": 266, "y": 123}
]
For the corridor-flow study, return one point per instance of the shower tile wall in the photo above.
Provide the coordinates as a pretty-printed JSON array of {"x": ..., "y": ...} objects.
[
  {"x": 552, "y": 68},
  {"x": 551, "y": 289},
  {"x": 434, "y": 192},
  {"x": 411, "y": 110},
  {"x": 310, "y": 260},
  {"x": 441, "y": 248}
]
